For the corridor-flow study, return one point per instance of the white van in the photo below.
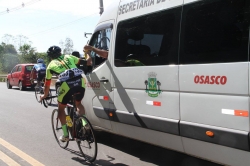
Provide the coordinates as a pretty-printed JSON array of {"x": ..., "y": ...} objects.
[{"x": 177, "y": 76}]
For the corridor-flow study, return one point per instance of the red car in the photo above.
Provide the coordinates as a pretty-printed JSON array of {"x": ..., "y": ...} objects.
[{"x": 20, "y": 76}]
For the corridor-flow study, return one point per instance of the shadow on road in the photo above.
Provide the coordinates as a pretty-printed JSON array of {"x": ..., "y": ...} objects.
[
  {"x": 147, "y": 153},
  {"x": 108, "y": 162},
  {"x": 98, "y": 162}
]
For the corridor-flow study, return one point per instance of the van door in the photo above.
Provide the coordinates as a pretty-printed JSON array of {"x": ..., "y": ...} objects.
[
  {"x": 145, "y": 73},
  {"x": 98, "y": 84}
]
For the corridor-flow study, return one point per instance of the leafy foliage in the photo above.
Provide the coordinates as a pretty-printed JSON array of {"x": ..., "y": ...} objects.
[
  {"x": 14, "y": 50},
  {"x": 27, "y": 54},
  {"x": 8, "y": 57}
]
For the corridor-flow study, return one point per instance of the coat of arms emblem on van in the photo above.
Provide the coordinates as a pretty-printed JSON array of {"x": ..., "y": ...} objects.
[{"x": 152, "y": 85}]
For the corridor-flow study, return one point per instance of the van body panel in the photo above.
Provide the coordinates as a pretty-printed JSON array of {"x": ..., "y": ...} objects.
[
  {"x": 130, "y": 8},
  {"x": 150, "y": 136},
  {"x": 189, "y": 1},
  {"x": 214, "y": 110},
  {"x": 215, "y": 78},
  {"x": 220, "y": 136},
  {"x": 92, "y": 101},
  {"x": 217, "y": 153},
  {"x": 137, "y": 101},
  {"x": 166, "y": 125},
  {"x": 130, "y": 78}
]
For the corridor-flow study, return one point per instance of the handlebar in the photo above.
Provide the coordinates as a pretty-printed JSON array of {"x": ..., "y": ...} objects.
[{"x": 49, "y": 97}]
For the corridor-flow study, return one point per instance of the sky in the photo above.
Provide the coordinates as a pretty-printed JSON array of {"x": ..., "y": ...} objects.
[{"x": 47, "y": 22}]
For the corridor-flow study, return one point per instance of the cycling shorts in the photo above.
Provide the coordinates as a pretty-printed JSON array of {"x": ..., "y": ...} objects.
[
  {"x": 41, "y": 75},
  {"x": 70, "y": 87}
]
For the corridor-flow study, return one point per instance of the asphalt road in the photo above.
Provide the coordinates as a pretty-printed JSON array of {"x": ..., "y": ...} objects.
[{"x": 26, "y": 138}]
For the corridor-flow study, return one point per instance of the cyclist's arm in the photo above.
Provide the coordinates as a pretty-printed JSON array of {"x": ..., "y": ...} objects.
[
  {"x": 102, "y": 53},
  {"x": 47, "y": 82},
  {"x": 84, "y": 62},
  {"x": 46, "y": 87},
  {"x": 79, "y": 61}
]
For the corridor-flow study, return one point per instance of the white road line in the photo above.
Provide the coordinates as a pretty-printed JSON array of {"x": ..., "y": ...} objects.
[
  {"x": 8, "y": 160},
  {"x": 21, "y": 154}
]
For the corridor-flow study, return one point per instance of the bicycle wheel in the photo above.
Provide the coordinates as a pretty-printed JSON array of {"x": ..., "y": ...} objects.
[
  {"x": 57, "y": 129},
  {"x": 37, "y": 93},
  {"x": 49, "y": 101},
  {"x": 86, "y": 139}
]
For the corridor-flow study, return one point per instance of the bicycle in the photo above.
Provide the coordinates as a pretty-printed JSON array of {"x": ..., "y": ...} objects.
[
  {"x": 79, "y": 130},
  {"x": 39, "y": 91}
]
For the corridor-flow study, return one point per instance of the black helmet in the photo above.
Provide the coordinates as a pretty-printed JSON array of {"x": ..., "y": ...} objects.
[
  {"x": 54, "y": 52},
  {"x": 76, "y": 54}
]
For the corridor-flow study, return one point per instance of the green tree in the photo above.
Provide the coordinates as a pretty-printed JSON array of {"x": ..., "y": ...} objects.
[
  {"x": 44, "y": 56},
  {"x": 27, "y": 54},
  {"x": 9, "y": 48},
  {"x": 1, "y": 58},
  {"x": 10, "y": 60},
  {"x": 8, "y": 57}
]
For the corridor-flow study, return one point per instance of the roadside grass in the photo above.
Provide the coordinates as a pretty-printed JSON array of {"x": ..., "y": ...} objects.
[{"x": 2, "y": 79}]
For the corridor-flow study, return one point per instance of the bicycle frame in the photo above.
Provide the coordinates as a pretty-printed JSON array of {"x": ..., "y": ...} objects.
[
  {"x": 84, "y": 136},
  {"x": 71, "y": 110}
]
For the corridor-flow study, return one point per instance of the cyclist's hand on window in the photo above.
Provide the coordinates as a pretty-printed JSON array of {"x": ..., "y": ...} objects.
[{"x": 87, "y": 47}]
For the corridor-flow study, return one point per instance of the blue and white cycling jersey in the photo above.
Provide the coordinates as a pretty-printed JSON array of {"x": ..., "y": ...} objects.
[{"x": 40, "y": 67}]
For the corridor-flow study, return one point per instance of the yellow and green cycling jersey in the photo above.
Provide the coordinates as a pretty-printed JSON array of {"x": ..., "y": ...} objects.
[
  {"x": 68, "y": 87},
  {"x": 59, "y": 65}
]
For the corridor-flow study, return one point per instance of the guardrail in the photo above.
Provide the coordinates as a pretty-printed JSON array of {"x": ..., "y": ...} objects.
[{"x": 3, "y": 78}]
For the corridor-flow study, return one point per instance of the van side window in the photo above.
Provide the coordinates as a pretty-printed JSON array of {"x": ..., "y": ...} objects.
[
  {"x": 215, "y": 31},
  {"x": 149, "y": 40},
  {"x": 101, "y": 40}
]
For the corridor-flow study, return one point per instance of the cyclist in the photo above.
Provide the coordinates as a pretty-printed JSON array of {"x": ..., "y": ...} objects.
[
  {"x": 72, "y": 82},
  {"x": 40, "y": 69}
]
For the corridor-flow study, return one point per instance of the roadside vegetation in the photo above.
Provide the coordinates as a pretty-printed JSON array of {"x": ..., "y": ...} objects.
[{"x": 15, "y": 50}]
